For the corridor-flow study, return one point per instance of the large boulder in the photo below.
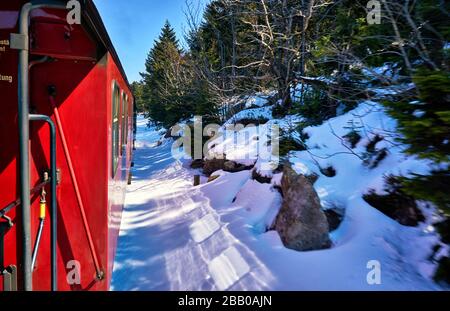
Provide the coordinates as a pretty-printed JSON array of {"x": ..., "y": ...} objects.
[
  {"x": 289, "y": 176},
  {"x": 301, "y": 223}
]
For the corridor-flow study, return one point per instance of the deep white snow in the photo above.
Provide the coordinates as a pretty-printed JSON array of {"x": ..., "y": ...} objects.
[{"x": 213, "y": 237}]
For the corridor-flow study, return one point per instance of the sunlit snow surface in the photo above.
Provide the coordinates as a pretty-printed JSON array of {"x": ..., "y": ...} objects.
[
  {"x": 178, "y": 237},
  {"x": 171, "y": 237}
]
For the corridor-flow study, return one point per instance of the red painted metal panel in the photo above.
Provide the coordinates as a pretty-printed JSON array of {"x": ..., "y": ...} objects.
[
  {"x": 9, "y": 137},
  {"x": 61, "y": 40},
  {"x": 83, "y": 96},
  {"x": 83, "y": 118}
]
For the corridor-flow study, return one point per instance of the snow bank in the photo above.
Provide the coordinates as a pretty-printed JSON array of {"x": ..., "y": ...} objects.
[
  {"x": 178, "y": 237},
  {"x": 250, "y": 144},
  {"x": 366, "y": 235}
]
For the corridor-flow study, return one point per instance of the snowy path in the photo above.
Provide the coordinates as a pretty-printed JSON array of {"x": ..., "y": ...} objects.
[
  {"x": 171, "y": 238},
  {"x": 178, "y": 237}
]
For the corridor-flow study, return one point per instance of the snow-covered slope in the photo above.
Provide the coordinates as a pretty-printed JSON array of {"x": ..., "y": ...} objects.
[
  {"x": 365, "y": 234},
  {"x": 179, "y": 237}
]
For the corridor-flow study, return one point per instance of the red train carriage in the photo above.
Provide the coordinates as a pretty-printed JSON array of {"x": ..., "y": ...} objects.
[{"x": 66, "y": 131}]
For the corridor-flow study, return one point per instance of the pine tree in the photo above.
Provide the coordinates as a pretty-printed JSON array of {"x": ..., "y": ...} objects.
[
  {"x": 138, "y": 88},
  {"x": 163, "y": 83},
  {"x": 424, "y": 119},
  {"x": 425, "y": 123}
]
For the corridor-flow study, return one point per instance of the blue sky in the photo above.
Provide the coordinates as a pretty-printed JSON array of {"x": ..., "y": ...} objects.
[{"x": 133, "y": 25}]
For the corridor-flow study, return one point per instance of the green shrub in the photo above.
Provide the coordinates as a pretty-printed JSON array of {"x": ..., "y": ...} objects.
[
  {"x": 317, "y": 107},
  {"x": 288, "y": 144},
  {"x": 433, "y": 188},
  {"x": 443, "y": 228},
  {"x": 279, "y": 111},
  {"x": 427, "y": 136}
]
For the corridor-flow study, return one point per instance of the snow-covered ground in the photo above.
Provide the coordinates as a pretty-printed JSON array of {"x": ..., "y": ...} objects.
[
  {"x": 172, "y": 238},
  {"x": 213, "y": 237}
]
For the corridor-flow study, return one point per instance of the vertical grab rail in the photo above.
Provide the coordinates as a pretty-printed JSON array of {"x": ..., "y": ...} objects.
[{"x": 53, "y": 204}]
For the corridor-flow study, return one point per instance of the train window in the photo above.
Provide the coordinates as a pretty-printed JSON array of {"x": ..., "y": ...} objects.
[
  {"x": 124, "y": 119},
  {"x": 115, "y": 128},
  {"x": 131, "y": 115}
]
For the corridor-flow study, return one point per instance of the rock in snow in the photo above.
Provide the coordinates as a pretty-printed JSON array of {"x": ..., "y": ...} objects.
[
  {"x": 229, "y": 166},
  {"x": 212, "y": 165},
  {"x": 301, "y": 223}
]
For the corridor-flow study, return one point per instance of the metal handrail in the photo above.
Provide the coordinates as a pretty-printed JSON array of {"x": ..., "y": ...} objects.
[
  {"x": 17, "y": 202},
  {"x": 53, "y": 202}
]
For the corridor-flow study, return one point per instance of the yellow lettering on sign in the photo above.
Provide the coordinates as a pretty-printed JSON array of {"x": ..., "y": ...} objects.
[
  {"x": 3, "y": 45},
  {"x": 6, "y": 78}
]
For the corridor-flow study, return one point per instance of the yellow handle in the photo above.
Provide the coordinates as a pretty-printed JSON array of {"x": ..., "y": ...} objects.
[{"x": 42, "y": 208}]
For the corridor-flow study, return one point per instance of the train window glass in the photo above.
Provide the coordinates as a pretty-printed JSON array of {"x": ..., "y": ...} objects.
[
  {"x": 115, "y": 128},
  {"x": 124, "y": 119},
  {"x": 131, "y": 116},
  {"x": 122, "y": 122}
]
